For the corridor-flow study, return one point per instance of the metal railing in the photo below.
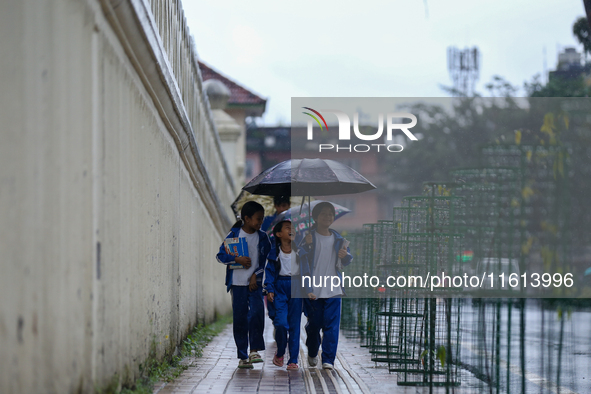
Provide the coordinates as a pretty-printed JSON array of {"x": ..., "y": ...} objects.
[{"x": 180, "y": 49}]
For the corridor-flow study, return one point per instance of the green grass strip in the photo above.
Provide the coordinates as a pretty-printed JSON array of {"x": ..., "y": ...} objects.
[{"x": 167, "y": 370}]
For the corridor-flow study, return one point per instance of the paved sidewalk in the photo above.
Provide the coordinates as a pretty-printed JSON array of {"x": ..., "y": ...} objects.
[{"x": 216, "y": 372}]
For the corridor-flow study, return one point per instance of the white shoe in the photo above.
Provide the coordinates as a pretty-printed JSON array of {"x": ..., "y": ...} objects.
[
  {"x": 328, "y": 366},
  {"x": 313, "y": 361}
]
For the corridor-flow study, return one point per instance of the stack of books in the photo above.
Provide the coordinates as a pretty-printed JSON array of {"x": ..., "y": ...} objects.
[{"x": 236, "y": 247}]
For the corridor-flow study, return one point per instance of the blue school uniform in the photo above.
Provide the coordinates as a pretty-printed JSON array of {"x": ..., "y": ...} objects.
[
  {"x": 288, "y": 310},
  {"x": 266, "y": 226},
  {"x": 247, "y": 306},
  {"x": 323, "y": 313},
  {"x": 267, "y": 221}
]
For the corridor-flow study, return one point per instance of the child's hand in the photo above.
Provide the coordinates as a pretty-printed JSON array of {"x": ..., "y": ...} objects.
[
  {"x": 342, "y": 253},
  {"x": 311, "y": 296},
  {"x": 244, "y": 261},
  {"x": 253, "y": 283},
  {"x": 270, "y": 296},
  {"x": 308, "y": 238}
]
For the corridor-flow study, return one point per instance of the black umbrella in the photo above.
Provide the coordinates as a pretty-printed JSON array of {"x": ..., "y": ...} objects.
[{"x": 308, "y": 177}]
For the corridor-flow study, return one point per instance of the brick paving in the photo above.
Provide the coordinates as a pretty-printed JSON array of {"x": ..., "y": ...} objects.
[{"x": 216, "y": 372}]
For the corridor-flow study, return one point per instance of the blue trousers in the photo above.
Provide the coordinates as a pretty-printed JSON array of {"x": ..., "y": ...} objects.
[
  {"x": 288, "y": 316},
  {"x": 323, "y": 314},
  {"x": 248, "y": 311},
  {"x": 271, "y": 310}
]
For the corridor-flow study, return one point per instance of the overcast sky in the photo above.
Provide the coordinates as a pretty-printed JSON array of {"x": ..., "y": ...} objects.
[{"x": 374, "y": 48}]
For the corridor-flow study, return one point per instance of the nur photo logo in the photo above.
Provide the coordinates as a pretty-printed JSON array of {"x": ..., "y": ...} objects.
[{"x": 344, "y": 125}]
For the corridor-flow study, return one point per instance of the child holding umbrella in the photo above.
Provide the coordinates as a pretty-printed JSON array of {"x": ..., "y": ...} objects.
[{"x": 320, "y": 252}]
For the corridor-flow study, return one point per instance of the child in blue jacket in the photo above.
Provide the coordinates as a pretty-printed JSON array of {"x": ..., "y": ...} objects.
[
  {"x": 282, "y": 265},
  {"x": 322, "y": 252},
  {"x": 282, "y": 204},
  {"x": 245, "y": 284}
]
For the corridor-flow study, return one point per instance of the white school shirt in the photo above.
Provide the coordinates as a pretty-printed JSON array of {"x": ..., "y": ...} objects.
[
  {"x": 325, "y": 258},
  {"x": 286, "y": 263},
  {"x": 241, "y": 277}
]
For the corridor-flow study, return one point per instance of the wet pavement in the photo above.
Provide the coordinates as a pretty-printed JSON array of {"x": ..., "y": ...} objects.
[{"x": 216, "y": 372}]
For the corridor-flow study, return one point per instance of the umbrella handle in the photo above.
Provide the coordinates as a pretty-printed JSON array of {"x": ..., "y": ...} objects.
[
  {"x": 309, "y": 216},
  {"x": 302, "y": 204}
]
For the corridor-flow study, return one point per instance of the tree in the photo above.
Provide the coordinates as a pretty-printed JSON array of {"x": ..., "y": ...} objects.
[
  {"x": 557, "y": 87},
  {"x": 451, "y": 139},
  {"x": 582, "y": 32}
]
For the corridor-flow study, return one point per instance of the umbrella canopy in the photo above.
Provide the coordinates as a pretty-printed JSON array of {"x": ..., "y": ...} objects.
[
  {"x": 308, "y": 177},
  {"x": 300, "y": 215}
]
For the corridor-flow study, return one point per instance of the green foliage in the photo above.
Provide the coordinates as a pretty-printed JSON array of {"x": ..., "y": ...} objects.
[
  {"x": 500, "y": 87},
  {"x": 154, "y": 370},
  {"x": 560, "y": 312},
  {"x": 565, "y": 87},
  {"x": 423, "y": 354},
  {"x": 582, "y": 33},
  {"x": 441, "y": 354},
  {"x": 557, "y": 87},
  {"x": 451, "y": 138}
]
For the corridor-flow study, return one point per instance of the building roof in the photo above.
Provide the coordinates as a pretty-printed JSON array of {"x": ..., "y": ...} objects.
[{"x": 240, "y": 97}]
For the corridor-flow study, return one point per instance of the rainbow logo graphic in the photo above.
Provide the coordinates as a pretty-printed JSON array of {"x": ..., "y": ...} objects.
[{"x": 315, "y": 118}]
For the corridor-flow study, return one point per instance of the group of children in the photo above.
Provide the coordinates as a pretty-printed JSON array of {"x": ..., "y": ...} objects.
[{"x": 271, "y": 266}]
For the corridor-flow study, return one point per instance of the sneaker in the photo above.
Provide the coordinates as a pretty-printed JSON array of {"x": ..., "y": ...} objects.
[
  {"x": 278, "y": 360},
  {"x": 245, "y": 364},
  {"x": 313, "y": 361},
  {"x": 292, "y": 367},
  {"x": 327, "y": 366},
  {"x": 255, "y": 357}
]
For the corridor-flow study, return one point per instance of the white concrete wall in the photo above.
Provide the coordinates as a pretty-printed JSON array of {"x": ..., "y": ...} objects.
[{"x": 110, "y": 216}]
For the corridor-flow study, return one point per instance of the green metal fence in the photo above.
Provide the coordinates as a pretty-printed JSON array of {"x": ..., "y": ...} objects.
[{"x": 514, "y": 207}]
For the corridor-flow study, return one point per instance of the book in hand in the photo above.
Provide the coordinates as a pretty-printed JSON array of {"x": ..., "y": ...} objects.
[{"x": 236, "y": 247}]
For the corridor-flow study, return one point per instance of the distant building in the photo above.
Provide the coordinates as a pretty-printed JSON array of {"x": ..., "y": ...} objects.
[
  {"x": 569, "y": 57},
  {"x": 265, "y": 147},
  {"x": 569, "y": 65},
  {"x": 231, "y": 104}
]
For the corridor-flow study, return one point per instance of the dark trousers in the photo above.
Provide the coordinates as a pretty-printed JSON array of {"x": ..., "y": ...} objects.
[
  {"x": 271, "y": 310},
  {"x": 248, "y": 311},
  {"x": 288, "y": 316},
  {"x": 323, "y": 314}
]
